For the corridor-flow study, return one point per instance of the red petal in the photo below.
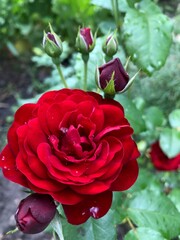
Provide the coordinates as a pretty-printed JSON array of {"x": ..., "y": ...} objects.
[
  {"x": 67, "y": 196},
  {"x": 127, "y": 177},
  {"x": 25, "y": 113},
  {"x": 55, "y": 114},
  {"x": 47, "y": 96},
  {"x": 117, "y": 112},
  {"x": 96, "y": 206},
  {"x": 10, "y": 171},
  {"x": 130, "y": 150}
]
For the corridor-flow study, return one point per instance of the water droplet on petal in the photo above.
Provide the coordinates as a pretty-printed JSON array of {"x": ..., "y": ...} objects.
[
  {"x": 5, "y": 167},
  {"x": 3, "y": 158},
  {"x": 94, "y": 212},
  {"x": 64, "y": 130}
]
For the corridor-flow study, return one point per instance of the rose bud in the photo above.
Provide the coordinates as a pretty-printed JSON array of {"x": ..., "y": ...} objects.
[
  {"x": 112, "y": 77},
  {"x": 85, "y": 42},
  {"x": 110, "y": 45},
  {"x": 52, "y": 44},
  {"x": 35, "y": 213}
]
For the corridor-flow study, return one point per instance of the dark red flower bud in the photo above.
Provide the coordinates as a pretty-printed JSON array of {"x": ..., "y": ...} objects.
[
  {"x": 35, "y": 213},
  {"x": 112, "y": 78},
  {"x": 85, "y": 41}
]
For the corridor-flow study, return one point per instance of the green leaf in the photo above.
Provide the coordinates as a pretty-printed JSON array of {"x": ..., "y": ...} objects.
[
  {"x": 155, "y": 211},
  {"x": 154, "y": 117},
  {"x": 101, "y": 3},
  {"x": 57, "y": 226},
  {"x": 174, "y": 118},
  {"x": 103, "y": 228},
  {"x": 143, "y": 233},
  {"x": 170, "y": 142},
  {"x": 132, "y": 2},
  {"x": 147, "y": 36},
  {"x": 133, "y": 115},
  {"x": 123, "y": 6},
  {"x": 174, "y": 195},
  {"x": 141, "y": 183},
  {"x": 118, "y": 208}
]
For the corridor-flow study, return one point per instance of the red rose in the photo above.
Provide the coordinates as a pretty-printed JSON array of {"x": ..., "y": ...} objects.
[
  {"x": 34, "y": 213},
  {"x": 76, "y": 147},
  {"x": 161, "y": 161}
]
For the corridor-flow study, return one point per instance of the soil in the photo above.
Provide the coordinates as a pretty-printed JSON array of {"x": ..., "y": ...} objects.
[{"x": 15, "y": 80}]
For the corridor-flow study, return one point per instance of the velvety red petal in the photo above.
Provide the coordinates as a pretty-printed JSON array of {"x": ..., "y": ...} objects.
[
  {"x": 12, "y": 138},
  {"x": 92, "y": 188},
  {"x": 97, "y": 117},
  {"x": 86, "y": 108},
  {"x": 50, "y": 95},
  {"x": 96, "y": 206},
  {"x": 22, "y": 116},
  {"x": 42, "y": 112},
  {"x": 109, "y": 112},
  {"x": 127, "y": 177},
  {"x": 25, "y": 113},
  {"x": 55, "y": 114},
  {"x": 130, "y": 150},
  {"x": 34, "y": 132},
  {"x": 47, "y": 184},
  {"x": 67, "y": 196},
  {"x": 117, "y": 131},
  {"x": 8, "y": 165}
]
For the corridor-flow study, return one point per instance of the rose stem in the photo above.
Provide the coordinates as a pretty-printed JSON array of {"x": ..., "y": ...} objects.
[
  {"x": 58, "y": 66},
  {"x": 115, "y": 9},
  {"x": 85, "y": 58}
]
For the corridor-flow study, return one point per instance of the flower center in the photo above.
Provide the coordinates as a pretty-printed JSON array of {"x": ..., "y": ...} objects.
[{"x": 73, "y": 142}]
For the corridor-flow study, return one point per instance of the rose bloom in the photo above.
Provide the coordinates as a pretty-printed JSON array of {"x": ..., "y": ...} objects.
[
  {"x": 76, "y": 147},
  {"x": 161, "y": 161}
]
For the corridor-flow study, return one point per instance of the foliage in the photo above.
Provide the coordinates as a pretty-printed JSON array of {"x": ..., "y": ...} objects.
[
  {"x": 141, "y": 24},
  {"x": 151, "y": 207},
  {"x": 162, "y": 88}
]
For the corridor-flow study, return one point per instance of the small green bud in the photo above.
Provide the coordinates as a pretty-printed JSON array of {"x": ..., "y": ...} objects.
[
  {"x": 110, "y": 45},
  {"x": 52, "y": 44}
]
